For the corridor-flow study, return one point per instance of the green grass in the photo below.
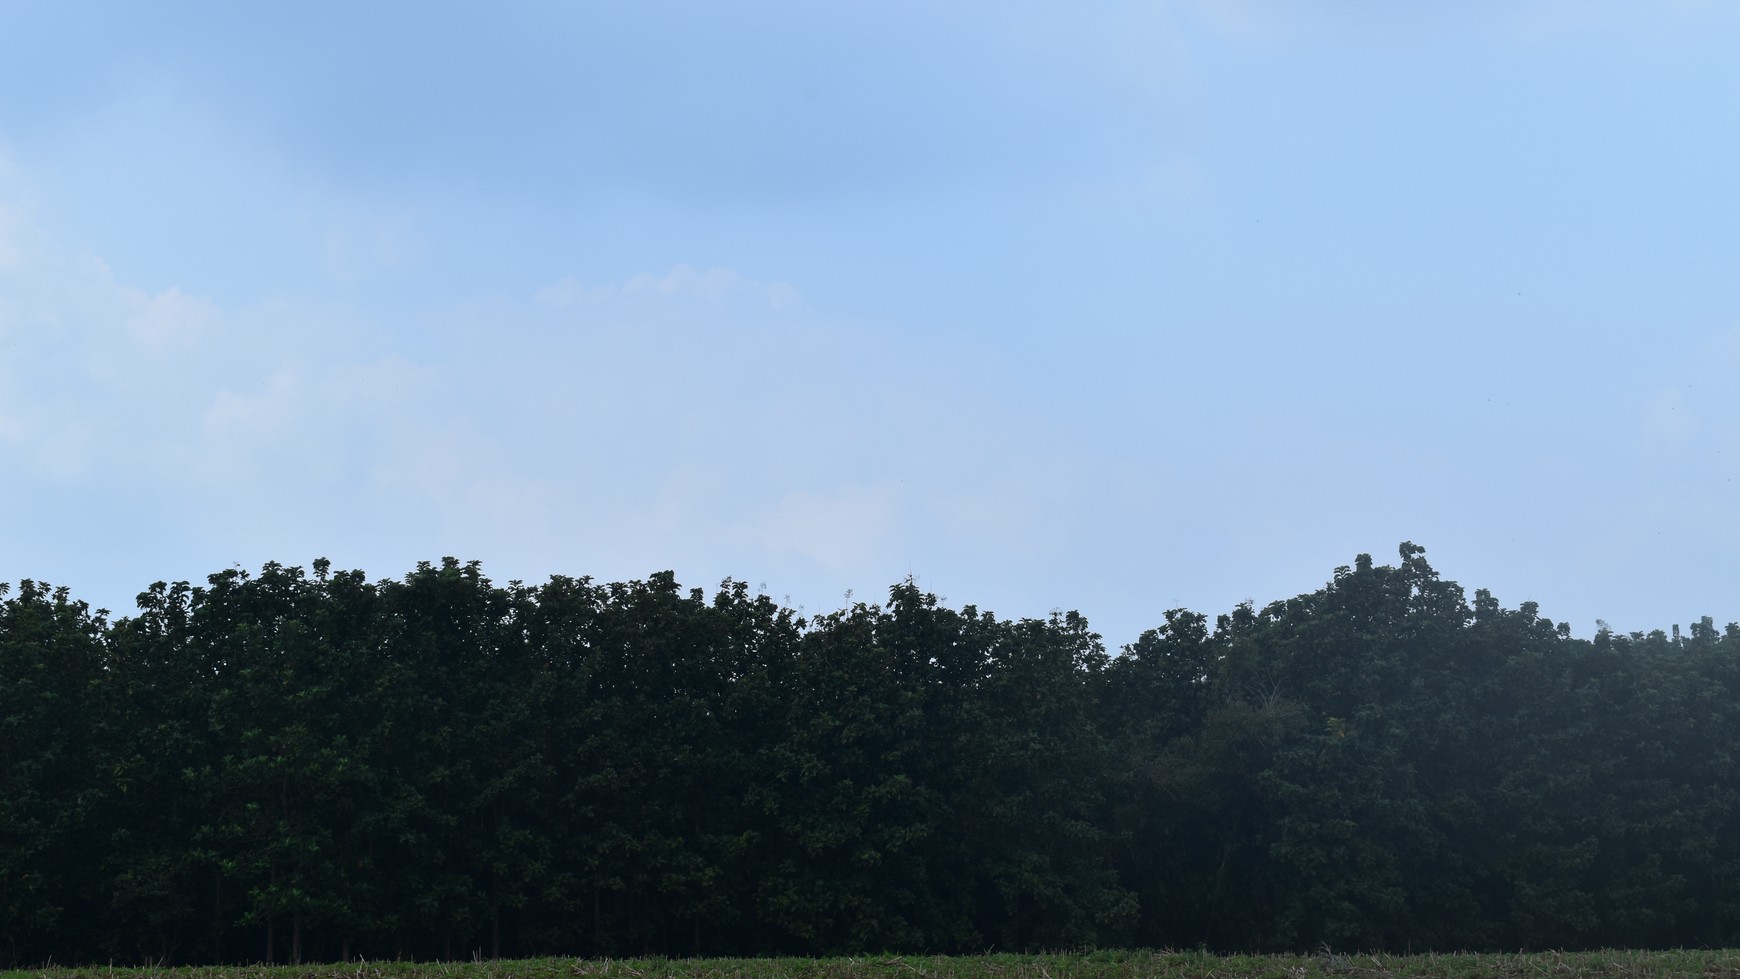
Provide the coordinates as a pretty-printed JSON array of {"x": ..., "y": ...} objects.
[{"x": 1094, "y": 965}]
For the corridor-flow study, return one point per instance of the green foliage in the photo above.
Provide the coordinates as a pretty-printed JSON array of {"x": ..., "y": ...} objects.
[
  {"x": 1090, "y": 965},
  {"x": 296, "y": 766}
]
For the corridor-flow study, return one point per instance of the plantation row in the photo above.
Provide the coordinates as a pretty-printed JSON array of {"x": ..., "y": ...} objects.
[
  {"x": 309, "y": 767},
  {"x": 1101, "y": 964}
]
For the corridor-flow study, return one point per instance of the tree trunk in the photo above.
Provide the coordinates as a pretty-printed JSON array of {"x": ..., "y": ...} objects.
[
  {"x": 217, "y": 911},
  {"x": 296, "y": 939},
  {"x": 272, "y": 921}
]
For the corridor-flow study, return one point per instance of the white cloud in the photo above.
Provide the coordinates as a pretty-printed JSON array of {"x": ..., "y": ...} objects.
[
  {"x": 284, "y": 429},
  {"x": 69, "y": 305},
  {"x": 87, "y": 383}
]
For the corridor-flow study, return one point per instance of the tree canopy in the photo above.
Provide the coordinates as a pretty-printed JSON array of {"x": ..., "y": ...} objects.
[{"x": 304, "y": 764}]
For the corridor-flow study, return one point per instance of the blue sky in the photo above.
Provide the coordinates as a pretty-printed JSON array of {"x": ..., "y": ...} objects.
[{"x": 1118, "y": 307}]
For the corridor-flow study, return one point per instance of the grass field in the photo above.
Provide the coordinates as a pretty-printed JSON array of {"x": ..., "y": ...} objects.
[{"x": 1095, "y": 965}]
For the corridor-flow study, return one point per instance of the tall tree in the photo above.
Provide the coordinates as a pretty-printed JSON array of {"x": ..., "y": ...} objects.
[{"x": 51, "y": 784}]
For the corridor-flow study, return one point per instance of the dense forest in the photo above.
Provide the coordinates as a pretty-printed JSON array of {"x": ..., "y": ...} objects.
[{"x": 308, "y": 765}]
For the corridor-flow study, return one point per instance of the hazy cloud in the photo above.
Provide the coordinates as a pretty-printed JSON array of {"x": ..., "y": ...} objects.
[
  {"x": 11, "y": 243},
  {"x": 568, "y": 291},
  {"x": 1554, "y": 18},
  {"x": 715, "y": 285},
  {"x": 838, "y": 529},
  {"x": 170, "y": 316},
  {"x": 1154, "y": 304}
]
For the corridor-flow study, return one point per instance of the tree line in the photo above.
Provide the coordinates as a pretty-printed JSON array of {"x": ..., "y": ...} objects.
[{"x": 306, "y": 765}]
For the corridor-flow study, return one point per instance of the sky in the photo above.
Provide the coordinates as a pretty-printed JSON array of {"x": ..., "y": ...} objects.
[{"x": 1117, "y": 307}]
